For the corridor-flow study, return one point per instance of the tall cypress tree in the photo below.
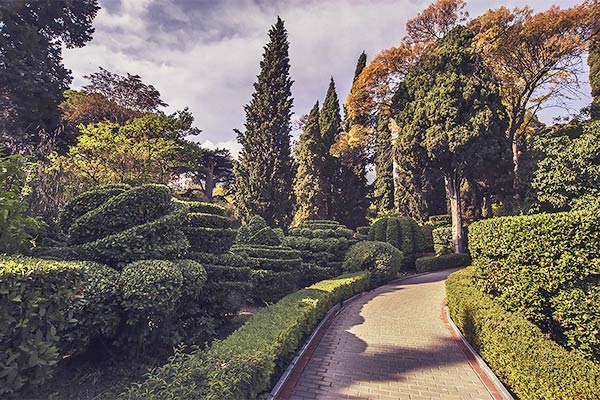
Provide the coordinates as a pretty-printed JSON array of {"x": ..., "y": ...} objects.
[
  {"x": 594, "y": 64},
  {"x": 265, "y": 170},
  {"x": 384, "y": 165},
  {"x": 330, "y": 122},
  {"x": 309, "y": 185}
]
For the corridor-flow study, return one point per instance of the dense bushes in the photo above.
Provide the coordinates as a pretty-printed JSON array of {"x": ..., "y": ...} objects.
[
  {"x": 38, "y": 301},
  {"x": 401, "y": 232},
  {"x": 322, "y": 245},
  {"x": 275, "y": 267},
  {"x": 533, "y": 264},
  {"x": 383, "y": 260},
  {"x": 425, "y": 264},
  {"x": 443, "y": 243},
  {"x": 247, "y": 363},
  {"x": 524, "y": 358},
  {"x": 206, "y": 228}
]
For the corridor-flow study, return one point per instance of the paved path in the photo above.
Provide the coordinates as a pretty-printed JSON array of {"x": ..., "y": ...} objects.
[{"x": 390, "y": 344}]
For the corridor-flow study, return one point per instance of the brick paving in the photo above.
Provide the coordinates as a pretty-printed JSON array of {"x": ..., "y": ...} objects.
[{"x": 390, "y": 344}]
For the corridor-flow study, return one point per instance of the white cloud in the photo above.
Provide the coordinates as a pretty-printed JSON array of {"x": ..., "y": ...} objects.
[{"x": 205, "y": 55}]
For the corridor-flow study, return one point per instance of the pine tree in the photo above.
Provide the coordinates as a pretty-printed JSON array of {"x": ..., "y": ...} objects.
[
  {"x": 265, "y": 171},
  {"x": 384, "y": 165},
  {"x": 330, "y": 122},
  {"x": 309, "y": 185}
]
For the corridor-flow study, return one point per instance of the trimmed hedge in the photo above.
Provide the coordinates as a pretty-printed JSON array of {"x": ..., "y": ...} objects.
[
  {"x": 443, "y": 243},
  {"x": 206, "y": 227},
  {"x": 383, "y": 260},
  {"x": 533, "y": 366},
  {"x": 401, "y": 232},
  {"x": 126, "y": 210},
  {"x": 39, "y": 303},
  {"x": 248, "y": 362},
  {"x": 425, "y": 264},
  {"x": 532, "y": 264},
  {"x": 440, "y": 221},
  {"x": 86, "y": 202}
]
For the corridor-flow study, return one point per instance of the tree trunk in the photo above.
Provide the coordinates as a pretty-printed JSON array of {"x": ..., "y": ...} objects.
[
  {"x": 210, "y": 181},
  {"x": 453, "y": 188},
  {"x": 486, "y": 206}
]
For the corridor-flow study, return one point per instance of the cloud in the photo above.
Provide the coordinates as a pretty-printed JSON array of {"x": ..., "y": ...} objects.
[{"x": 205, "y": 54}]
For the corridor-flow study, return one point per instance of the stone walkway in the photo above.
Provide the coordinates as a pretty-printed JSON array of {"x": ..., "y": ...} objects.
[{"x": 390, "y": 344}]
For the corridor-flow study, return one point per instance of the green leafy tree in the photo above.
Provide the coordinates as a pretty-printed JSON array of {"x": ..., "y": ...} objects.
[
  {"x": 594, "y": 64},
  {"x": 264, "y": 173},
  {"x": 32, "y": 75},
  {"x": 208, "y": 167},
  {"x": 384, "y": 165},
  {"x": 455, "y": 118},
  {"x": 568, "y": 174},
  {"x": 309, "y": 185},
  {"x": 17, "y": 230}
]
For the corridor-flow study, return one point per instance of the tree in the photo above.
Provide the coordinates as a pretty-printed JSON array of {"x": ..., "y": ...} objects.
[
  {"x": 594, "y": 64},
  {"x": 330, "y": 123},
  {"x": 265, "y": 171},
  {"x": 214, "y": 167},
  {"x": 32, "y": 75},
  {"x": 455, "y": 118},
  {"x": 384, "y": 165},
  {"x": 535, "y": 57},
  {"x": 310, "y": 185}
]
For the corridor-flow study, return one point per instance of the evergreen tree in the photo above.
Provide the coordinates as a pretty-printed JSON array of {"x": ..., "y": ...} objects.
[
  {"x": 384, "y": 165},
  {"x": 360, "y": 65},
  {"x": 265, "y": 171},
  {"x": 309, "y": 185},
  {"x": 330, "y": 122},
  {"x": 594, "y": 64}
]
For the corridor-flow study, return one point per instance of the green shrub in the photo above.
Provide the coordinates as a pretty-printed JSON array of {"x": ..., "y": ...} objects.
[
  {"x": 203, "y": 208},
  {"x": 36, "y": 304},
  {"x": 244, "y": 365},
  {"x": 129, "y": 209},
  {"x": 151, "y": 290},
  {"x": 526, "y": 261},
  {"x": 533, "y": 366},
  {"x": 159, "y": 239},
  {"x": 86, "y": 202},
  {"x": 209, "y": 240},
  {"x": 383, "y": 260},
  {"x": 443, "y": 243},
  {"x": 269, "y": 286},
  {"x": 440, "y": 221},
  {"x": 425, "y": 264},
  {"x": 257, "y": 232},
  {"x": 427, "y": 230},
  {"x": 401, "y": 232}
]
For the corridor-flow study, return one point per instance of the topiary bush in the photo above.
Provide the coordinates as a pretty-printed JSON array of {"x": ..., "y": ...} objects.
[
  {"x": 543, "y": 267},
  {"x": 532, "y": 365},
  {"x": 244, "y": 365},
  {"x": 427, "y": 264},
  {"x": 383, "y": 260},
  {"x": 443, "y": 243},
  {"x": 322, "y": 245},
  {"x": 42, "y": 303},
  {"x": 275, "y": 267},
  {"x": 401, "y": 232},
  {"x": 440, "y": 221},
  {"x": 206, "y": 227},
  {"x": 86, "y": 202}
]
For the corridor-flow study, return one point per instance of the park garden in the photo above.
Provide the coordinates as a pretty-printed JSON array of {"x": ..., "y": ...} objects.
[{"x": 137, "y": 264}]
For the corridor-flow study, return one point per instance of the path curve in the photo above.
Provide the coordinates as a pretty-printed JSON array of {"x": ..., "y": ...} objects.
[{"x": 390, "y": 344}]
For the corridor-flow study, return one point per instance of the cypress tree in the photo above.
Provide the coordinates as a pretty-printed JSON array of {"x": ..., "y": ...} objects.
[
  {"x": 309, "y": 185},
  {"x": 330, "y": 123},
  {"x": 360, "y": 65},
  {"x": 265, "y": 170},
  {"x": 594, "y": 64},
  {"x": 384, "y": 165}
]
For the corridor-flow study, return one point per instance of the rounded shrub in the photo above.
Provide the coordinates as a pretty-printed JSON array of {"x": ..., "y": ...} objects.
[
  {"x": 401, "y": 232},
  {"x": 150, "y": 292},
  {"x": 131, "y": 208},
  {"x": 443, "y": 242},
  {"x": 383, "y": 260}
]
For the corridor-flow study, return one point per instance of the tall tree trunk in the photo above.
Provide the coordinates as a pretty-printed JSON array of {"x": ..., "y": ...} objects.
[
  {"x": 453, "y": 188},
  {"x": 486, "y": 206},
  {"x": 210, "y": 181}
]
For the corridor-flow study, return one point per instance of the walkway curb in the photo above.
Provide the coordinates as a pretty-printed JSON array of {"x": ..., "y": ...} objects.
[
  {"x": 485, "y": 373},
  {"x": 315, "y": 337}
]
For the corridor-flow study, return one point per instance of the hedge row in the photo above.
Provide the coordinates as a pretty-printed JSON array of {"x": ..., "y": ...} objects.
[
  {"x": 534, "y": 265},
  {"x": 532, "y": 365},
  {"x": 248, "y": 362},
  {"x": 426, "y": 264}
]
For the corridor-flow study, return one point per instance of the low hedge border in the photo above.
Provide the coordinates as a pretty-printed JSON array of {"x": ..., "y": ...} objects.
[
  {"x": 430, "y": 264},
  {"x": 247, "y": 363},
  {"x": 525, "y": 359}
]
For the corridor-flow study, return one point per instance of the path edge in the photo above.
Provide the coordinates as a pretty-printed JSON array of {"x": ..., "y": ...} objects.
[
  {"x": 498, "y": 390},
  {"x": 314, "y": 338}
]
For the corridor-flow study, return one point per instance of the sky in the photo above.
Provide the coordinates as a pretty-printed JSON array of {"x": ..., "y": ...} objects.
[{"x": 205, "y": 54}]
